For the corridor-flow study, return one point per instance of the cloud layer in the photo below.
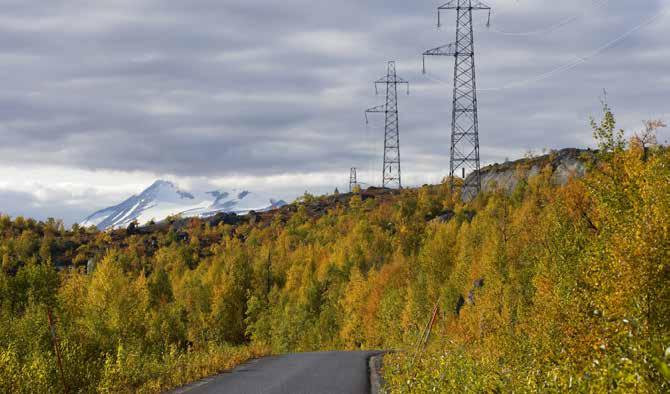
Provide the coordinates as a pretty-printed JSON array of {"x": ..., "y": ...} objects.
[{"x": 223, "y": 91}]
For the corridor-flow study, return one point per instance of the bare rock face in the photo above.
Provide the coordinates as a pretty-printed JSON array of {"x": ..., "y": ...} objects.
[{"x": 565, "y": 164}]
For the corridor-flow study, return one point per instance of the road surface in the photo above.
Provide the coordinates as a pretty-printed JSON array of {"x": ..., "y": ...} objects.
[{"x": 302, "y": 373}]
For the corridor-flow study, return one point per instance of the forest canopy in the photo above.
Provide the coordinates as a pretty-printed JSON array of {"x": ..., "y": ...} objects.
[{"x": 544, "y": 289}]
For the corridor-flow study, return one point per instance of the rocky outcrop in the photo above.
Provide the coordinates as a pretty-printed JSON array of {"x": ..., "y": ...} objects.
[{"x": 565, "y": 164}]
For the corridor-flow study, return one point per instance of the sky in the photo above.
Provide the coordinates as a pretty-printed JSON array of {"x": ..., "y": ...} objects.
[{"x": 101, "y": 98}]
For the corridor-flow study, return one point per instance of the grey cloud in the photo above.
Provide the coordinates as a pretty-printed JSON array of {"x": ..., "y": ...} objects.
[
  {"x": 214, "y": 88},
  {"x": 14, "y": 204}
]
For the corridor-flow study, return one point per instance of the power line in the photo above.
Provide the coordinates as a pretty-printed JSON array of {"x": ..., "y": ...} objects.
[
  {"x": 550, "y": 29},
  {"x": 568, "y": 66}
]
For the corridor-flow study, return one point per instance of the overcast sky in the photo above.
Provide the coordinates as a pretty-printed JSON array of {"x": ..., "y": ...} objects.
[{"x": 100, "y": 98}]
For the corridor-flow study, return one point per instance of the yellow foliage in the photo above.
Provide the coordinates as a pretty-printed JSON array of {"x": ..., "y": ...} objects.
[{"x": 542, "y": 289}]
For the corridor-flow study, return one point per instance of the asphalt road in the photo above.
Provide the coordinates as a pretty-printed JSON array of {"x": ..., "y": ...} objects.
[{"x": 302, "y": 373}]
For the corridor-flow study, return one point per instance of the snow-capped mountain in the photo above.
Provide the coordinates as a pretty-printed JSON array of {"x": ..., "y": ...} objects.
[{"x": 163, "y": 199}]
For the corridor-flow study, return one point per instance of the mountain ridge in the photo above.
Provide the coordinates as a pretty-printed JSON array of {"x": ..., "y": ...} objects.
[{"x": 164, "y": 198}]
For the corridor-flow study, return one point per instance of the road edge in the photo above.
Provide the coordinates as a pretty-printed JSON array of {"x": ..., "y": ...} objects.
[
  {"x": 376, "y": 379},
  {"x": 185, "y": 388}
]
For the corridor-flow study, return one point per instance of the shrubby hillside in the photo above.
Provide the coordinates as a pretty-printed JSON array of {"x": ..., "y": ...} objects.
[{"x": 542, "y": 288}]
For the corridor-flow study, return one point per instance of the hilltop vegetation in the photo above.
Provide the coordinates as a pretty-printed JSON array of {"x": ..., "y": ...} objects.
[{"x": 571, "y": 287}]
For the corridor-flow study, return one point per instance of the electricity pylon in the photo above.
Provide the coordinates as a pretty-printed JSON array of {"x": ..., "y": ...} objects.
[
  {"x": 391, "y": 171},
  {"x": 464, "y": 119},
  {"x": 353, "y": 179}
]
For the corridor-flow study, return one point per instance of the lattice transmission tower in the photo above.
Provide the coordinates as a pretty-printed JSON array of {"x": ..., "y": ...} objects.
[
  {"x": 464, "y": 121},
  {"x": 391, "y": 174},
  {"x": 353, "y": 179}
]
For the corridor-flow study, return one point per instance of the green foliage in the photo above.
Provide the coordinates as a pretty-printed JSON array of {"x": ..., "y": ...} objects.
[{"x": 608, "y": 138}]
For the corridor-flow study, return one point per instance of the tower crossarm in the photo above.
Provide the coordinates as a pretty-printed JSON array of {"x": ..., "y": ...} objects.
[
  {"x": 379, "y": 108},
  {"x": 390, "y": 79},
  {"x": 458, "y": 5},
  {"x": 445, "y": 50},
  {"x": 474, "y": 5},
  {"x": 386, "y": 79}
]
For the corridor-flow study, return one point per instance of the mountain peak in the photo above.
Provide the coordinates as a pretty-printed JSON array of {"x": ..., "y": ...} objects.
[
  {"x": 161, "y": 183},
  {"x": 165, "y": 190},
  {"x": 164, "y": 198}
]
